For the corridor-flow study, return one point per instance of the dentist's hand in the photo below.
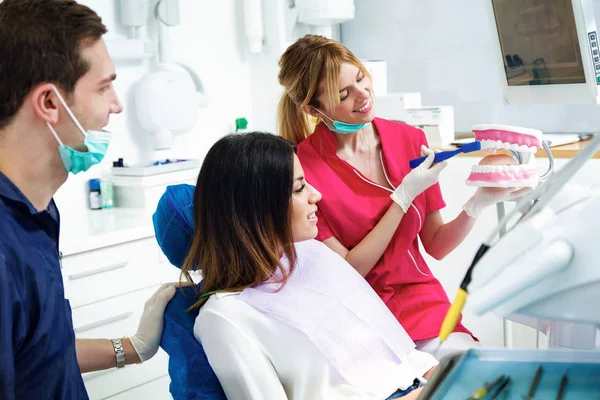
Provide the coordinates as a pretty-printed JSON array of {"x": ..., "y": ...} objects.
[
  {"x": 147, "y": 339},
  {"x": 418, "y": 180},
  {"x": 488, "y": 196}
]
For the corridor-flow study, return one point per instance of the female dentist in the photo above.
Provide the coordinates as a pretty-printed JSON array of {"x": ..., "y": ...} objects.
[{"x": 374, "y": 208}]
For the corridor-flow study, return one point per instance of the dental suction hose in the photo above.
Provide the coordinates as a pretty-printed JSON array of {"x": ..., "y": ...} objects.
[{"x": 456, "y": 308}]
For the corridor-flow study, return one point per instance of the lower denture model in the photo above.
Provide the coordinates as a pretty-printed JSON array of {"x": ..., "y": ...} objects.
[{"x": 501, "y": 170}]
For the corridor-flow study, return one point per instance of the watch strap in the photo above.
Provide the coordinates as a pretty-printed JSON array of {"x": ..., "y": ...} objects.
[{"x": 119, "y": 352}]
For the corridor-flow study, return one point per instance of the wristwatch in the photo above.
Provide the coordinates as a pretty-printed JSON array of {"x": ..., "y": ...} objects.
[{"x": 119, "y": 353}]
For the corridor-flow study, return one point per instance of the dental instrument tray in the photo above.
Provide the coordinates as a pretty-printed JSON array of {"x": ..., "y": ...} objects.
[{"x": 540, "y": 371}]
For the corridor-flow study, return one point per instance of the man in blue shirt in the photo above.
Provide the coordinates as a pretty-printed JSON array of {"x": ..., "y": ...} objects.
[{"x": 56, "y": 95}]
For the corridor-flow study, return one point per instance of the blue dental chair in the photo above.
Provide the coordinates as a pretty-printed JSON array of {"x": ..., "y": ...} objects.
[{"x": 192, "y": 377}]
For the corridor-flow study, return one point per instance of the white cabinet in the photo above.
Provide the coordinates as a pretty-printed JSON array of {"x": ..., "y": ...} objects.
[
  {"x": 111, "y": 271},
  {"x": 158, "y": 389},
  {"x": 108, "y": 276},
  {"x": 113, "y": 318}
]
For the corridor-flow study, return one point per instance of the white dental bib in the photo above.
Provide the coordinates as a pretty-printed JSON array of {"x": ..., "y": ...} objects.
[{"x": 328, "y": 300}]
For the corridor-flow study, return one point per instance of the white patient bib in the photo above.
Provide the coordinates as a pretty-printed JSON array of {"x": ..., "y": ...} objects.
[{"x": 330, "y": 302}]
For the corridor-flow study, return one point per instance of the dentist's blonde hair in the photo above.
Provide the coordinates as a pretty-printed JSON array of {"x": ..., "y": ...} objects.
[{"x": 304, "y": 65}]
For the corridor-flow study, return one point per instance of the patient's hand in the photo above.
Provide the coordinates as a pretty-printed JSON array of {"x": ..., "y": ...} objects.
[
  {"x": 427, "y": 375},
  {"x": 413, "y": 395}
]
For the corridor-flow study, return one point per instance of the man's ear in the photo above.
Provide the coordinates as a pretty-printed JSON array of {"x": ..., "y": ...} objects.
[{"x": 44, "y": 102}]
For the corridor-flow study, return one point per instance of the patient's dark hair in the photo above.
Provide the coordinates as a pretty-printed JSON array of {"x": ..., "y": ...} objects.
[{"x": 242, "y": 207}]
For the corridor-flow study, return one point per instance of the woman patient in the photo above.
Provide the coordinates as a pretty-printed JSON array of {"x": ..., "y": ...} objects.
[{"x": 282, "y": 316}]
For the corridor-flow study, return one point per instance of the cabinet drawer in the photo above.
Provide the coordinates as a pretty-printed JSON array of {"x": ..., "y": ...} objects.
[
  {"x": 169, "y": 273},
  {"x": 155, "y": 390},
  {"x": 112, "y": 382},
  {"x": 111, "y": 271},
  {"x": 116, "y": 317}
]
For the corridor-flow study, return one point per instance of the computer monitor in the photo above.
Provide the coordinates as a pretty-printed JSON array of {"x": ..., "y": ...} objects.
[{"x": 549, "y": 51}]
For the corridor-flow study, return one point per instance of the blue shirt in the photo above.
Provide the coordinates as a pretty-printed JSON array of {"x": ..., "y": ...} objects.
[{"x": 37, "y": 341}]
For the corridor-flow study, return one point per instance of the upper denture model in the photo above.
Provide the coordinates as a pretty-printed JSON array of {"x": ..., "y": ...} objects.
[{"x": 500, "y": 170}]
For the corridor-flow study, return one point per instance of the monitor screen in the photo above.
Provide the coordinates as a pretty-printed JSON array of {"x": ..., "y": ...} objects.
[{"x": 539, "y": 43}]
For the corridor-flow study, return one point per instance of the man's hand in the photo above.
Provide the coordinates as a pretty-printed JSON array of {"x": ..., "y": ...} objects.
[{"x": 147, "y": 338}]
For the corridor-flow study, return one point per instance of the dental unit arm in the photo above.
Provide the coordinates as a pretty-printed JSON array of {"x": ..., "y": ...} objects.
[{"x": 545, "y": 265}]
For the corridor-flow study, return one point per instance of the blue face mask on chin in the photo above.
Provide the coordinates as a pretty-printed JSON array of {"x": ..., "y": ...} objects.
[
  {"x": 78, "y": 161},
  {"x": 97, "y": 142},
  {"x": 342, "y": 127}
]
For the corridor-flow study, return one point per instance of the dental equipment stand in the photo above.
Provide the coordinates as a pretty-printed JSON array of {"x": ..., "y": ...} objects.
[
  {"x": 542, "y": 262},
  {"x": 560, "y": 334}
]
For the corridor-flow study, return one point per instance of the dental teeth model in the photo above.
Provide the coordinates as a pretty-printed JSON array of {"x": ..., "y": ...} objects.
[{"x": 502, "y": 170}]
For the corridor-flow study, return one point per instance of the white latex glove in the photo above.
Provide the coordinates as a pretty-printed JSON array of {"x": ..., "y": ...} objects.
[
  {"x": 147, "y": 339},
  {"x": 418, "y": 180},
  {"x": 487, "y": 196}
]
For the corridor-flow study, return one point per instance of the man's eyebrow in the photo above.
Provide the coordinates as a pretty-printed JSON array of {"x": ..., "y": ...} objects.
[{"x": 108, "y": 80}]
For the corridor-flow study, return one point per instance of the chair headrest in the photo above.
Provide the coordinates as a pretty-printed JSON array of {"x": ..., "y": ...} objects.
[{"x": 174, "y": 222}]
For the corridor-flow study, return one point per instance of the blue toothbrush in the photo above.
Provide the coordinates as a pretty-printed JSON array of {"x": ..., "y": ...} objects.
[{"x": 444, "y": 155}]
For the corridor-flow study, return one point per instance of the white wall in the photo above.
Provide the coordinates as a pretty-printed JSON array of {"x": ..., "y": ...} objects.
[
  {"x": 266, "y": 90},
  {"x": 208, "y": 40},
  {"x": 443, "y": 49}
]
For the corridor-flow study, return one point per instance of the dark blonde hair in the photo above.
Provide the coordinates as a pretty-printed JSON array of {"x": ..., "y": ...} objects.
[
  {"x": 303, "y": 66},
  {"x": 242, "y": 210}
]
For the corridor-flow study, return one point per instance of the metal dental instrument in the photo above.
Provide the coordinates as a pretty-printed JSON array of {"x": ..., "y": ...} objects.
[
  {"x": 563, "y": 385},
  {"x": 534, "y": 383},
  {"x": 503, "y": 388},
  {"x": 483, "y": 391}
]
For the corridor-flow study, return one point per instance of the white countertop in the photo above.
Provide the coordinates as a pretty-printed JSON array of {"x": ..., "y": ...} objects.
[{"x": 101, "y": 228}]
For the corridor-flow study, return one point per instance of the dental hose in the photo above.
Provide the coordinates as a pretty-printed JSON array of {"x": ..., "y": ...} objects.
[{"x": 455, "y": 310}]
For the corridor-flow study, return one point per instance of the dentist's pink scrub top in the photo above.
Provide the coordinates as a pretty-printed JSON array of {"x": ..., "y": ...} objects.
[{"x": 352, "y": 205}]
